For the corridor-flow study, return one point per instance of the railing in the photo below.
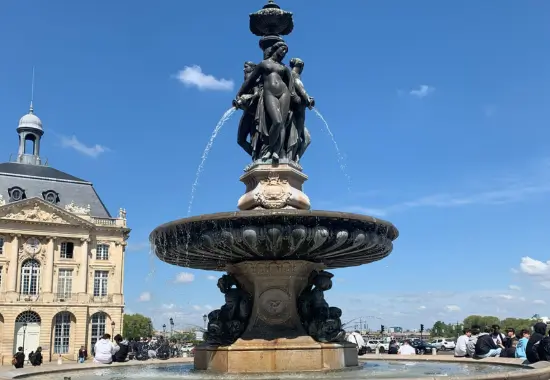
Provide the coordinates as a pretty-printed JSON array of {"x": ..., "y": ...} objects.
[
  {"x": 64, "y": 297},
  {"x": 26, "y": 158},
  {"x": 28, "y": 297},
  {"x": 109, "y": 222},
  {"x": 102, "y": 299}
]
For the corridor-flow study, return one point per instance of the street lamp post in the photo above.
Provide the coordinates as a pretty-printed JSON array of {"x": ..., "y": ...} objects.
[
  {"x": 164, "y": 329},
  {"x": 204, "y": 319},
  {"x": 24, "y": 334},
  {"x": 112, "y": 329},
  {"x": 171, "y": 327}
]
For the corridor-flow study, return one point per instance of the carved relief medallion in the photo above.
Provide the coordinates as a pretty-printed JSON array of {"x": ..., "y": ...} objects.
[
  {"x": 32, "y": 246},
  {"x": 275, "y": 306},
  {"x": 273, "y": 192}
]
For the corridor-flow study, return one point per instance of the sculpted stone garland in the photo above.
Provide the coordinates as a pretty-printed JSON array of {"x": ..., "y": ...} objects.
[{"x": 226, "y": 324}]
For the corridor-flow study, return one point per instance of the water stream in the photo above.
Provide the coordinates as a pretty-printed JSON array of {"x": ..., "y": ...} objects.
[
  {"x": 339, "y": 156},
  {"x": 226, "y": 116}
]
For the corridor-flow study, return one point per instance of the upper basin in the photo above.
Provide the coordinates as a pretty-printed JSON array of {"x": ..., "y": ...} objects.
[{"x": 336, "y": 239}]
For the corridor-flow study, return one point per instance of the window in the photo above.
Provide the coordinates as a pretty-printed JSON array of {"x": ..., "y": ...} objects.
[
  {"x": 62, "y": 333},
  {"x": 65, "y": 283},
  {"x": 100, "y": 283},
  {"x": 30, "y": 277},
  {"x": 98, "y": 327},
  {"x": 102, "y": 252},
  {"x": 1, "y": 245},
  {"x": 51, "y": 196},
  {"x": 16, "y": 194},
  {"x": 67, "y": 250}
]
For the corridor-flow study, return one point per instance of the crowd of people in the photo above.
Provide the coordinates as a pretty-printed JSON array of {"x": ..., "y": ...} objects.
[{"x": 491, "y": 342}]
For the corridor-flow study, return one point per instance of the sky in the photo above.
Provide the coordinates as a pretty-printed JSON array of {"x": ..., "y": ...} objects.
[{"x": 439, "y": 109}]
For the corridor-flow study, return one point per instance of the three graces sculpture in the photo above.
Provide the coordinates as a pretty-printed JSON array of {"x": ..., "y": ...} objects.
[{"x": 273, "y": 97}]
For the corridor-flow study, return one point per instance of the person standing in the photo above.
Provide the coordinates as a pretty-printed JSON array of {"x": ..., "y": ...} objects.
[
  {"x": 461, "y": 349},
  {"x": 82, "y": 354},
  {"x": 18, "y": 360}
]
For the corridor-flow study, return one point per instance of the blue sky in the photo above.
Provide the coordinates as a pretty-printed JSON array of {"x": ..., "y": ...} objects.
[{"x": 439, "y": 108}]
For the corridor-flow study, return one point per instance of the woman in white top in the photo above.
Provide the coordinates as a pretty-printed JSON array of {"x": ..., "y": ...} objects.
[
  {"x": 104, "y": 350},
  {"x": 406, "y": 349}
]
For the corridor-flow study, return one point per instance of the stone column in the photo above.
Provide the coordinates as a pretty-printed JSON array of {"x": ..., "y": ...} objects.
[
  {"x": 14, "y": 264},
  {"x": 83, "y": 271},
  {"x": 275, "y": 287},
  {"x": 48, "y": 267}
]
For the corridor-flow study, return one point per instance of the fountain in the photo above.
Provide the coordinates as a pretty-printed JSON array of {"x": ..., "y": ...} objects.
[{"x": 275, "y": 250}]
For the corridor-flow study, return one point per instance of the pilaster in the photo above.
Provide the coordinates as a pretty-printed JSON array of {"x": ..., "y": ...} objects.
[{"x": 14, "y": 263}]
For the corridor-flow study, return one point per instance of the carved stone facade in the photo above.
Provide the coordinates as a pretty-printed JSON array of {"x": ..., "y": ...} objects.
[{"x": 48, "y": 264}]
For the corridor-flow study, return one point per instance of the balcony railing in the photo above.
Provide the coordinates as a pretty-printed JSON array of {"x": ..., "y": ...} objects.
[
  {"x": 109, "y": 222},
  {"x": 64, "y": 297},
  {"x": 28, "y": 297},
  {"x": 102, "y": 299}
]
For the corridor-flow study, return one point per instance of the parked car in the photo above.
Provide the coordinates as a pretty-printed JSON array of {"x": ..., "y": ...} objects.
[
  {"x": 444, "y": 344},
  {"x": 422, "y": 347}
]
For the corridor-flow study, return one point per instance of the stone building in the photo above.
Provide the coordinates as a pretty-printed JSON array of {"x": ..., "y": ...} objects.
[{"x": 61, "y": 256}]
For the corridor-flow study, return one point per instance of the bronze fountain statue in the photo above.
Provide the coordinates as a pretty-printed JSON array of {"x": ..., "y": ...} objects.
[{"x": 275, "y": 250}]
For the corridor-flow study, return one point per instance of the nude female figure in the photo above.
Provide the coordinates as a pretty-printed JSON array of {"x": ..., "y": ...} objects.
[{"x": 278, "y": 90}]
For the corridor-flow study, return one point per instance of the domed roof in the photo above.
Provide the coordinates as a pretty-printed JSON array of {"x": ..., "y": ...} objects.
[{"x": 30, "y": 120}]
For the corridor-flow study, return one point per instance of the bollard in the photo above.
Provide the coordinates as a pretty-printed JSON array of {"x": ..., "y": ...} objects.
[
  {"x": 434, "y": 351},
  {"x": 377, "y": 351},
  {"x": 59, "y": 360}
]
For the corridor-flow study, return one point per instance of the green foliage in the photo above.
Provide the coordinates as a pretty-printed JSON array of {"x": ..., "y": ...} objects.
[
  {"x": 450, "y": 330},
  {"x": 137, "y": 326},
  {"x": 184, "y": 336}
]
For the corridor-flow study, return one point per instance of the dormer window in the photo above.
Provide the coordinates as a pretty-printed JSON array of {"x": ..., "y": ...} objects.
[
  {"x": 16, "y": 194},
  {"x": 51, "y": 196}
]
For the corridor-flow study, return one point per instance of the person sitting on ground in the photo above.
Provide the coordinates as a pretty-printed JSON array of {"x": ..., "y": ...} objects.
[
  {"x": 510, "y": 336},
  {"x": 497, "y": 336},
  {"x": 406, "y": 348},
  {"x": 104, "y": 350},
  {"x": 471, "y": 347},
  {"x": 510, "y": 345},
  {"x": 531, "y": 350},
  {"x": 18, "y": 360},
  {"x": 522, "y": 344},
  {"x": 393, "y": 347},
  {"x": 36, "y": 358},
  {"x": 486, "y": 346},
  {"x": 82, "y": 354},
  {"x": 461, "y": 349},
  {"x": 123, "y": 348},
  {"x": 544, "y": 349}
]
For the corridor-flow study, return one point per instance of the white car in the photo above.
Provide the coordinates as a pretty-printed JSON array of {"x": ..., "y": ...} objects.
[{"x": 444, "y": 344}]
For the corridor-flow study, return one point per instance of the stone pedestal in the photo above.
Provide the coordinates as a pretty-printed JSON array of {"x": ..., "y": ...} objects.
[
  {"x": 274, "y": 186},
  {"x": 274, "y": 340}
]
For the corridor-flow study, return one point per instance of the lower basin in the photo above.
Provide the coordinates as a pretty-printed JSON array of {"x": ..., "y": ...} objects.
[{"x": 376, "y": 369}]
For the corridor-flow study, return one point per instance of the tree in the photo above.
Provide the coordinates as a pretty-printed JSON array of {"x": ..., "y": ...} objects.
[
  {"x": 137, "y": 326},
  {"x": 517, "y": 323},
  {"x": 481, "y": 321}
]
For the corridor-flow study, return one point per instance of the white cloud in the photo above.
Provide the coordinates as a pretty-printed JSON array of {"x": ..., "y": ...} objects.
[
  {"x": 534, "y": 267},
  {"x": 211, "y": 278},
  {"x": 452, "y": 308},
  {"x": 423, "y": 91},
  {"x": 545, "y": 284},
  {"x": 185, "y": 277},
  {"x": 514, "y": 287},
  {"x": 168, "y": 306},
  {"x": 539, "y": 302},
  {"x": 192, "y": 76},
  {"x": 91, "y": 151},
  {"x": 145, "y": 297},
  {"x": 197, "y": 307},
  {"x": 421, "y": 307},
  {"x": 208, "y": 307},
  {"x": 506, "y": 296}
]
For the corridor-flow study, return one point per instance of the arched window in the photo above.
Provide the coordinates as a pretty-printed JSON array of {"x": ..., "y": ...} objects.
[
  {"x": 28, "y": 316},
  {"x": 98, "y": 327},
  {"x": 30, "y": 277},
  {"x": 62, "y": 333}
]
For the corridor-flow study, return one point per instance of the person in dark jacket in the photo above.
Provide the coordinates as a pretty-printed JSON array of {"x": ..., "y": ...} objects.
[
  {"x": 531, "y": 350},
  {"x": 19, "y": 358},
  {"x": 393, "y": 347},
  {"x": 82, "y": 354},
  {"x": 544, "y": 349},
  {"x": 36, "y": 359},
  {"x": 122, "y": 354},
  {"x": 486, "y": 346}
]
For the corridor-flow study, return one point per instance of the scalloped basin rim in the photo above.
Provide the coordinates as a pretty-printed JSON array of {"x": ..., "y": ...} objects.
[{"x": 266, "y": 213}]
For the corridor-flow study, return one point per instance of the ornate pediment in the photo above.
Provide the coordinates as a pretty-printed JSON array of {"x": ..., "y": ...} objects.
[
  {"x": 75, "y": 209},
  {"x": 35, "y": 210}
]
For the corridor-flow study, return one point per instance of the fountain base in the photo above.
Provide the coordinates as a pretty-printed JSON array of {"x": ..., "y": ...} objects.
[
  {"x": 274, "y": 186},
  {"x": 280, "y": 355},
  {"x": 274, "y": 339}
]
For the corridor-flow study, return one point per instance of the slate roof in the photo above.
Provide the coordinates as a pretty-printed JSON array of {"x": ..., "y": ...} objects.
[{"x": 35, "y": 180}]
